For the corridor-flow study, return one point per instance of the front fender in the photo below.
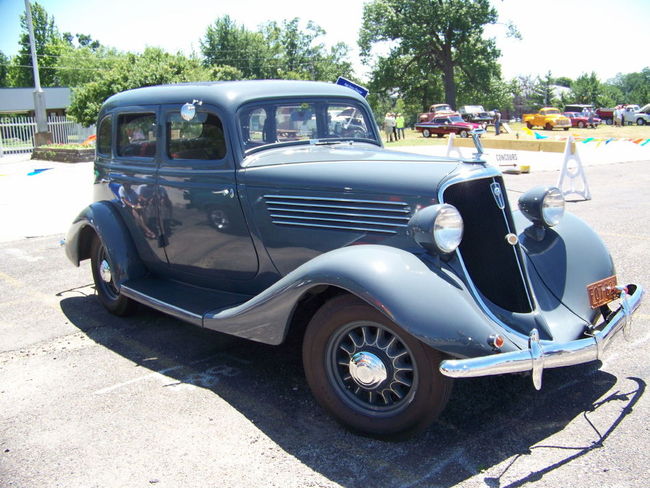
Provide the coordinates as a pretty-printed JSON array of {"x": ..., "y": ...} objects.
[
  {"x": 568, "y": 258},
  {"x": 430, "y": 304},
  {"x": 101, "y": 219}
]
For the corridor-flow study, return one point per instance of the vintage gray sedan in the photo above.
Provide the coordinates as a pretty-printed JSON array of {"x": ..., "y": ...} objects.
[{"x": 268, "y": 208}]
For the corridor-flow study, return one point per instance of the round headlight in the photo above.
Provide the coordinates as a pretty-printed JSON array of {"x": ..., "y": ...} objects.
[
  {"x": 553, "y": 207},
  {"x": 448, "y": 229},
  {"x": 438, "y": 228},
  {"x": 543, "y": 206}
]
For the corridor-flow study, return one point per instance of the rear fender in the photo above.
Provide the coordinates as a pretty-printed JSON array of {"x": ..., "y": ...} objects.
[
  {"x": 430, "y": 304},
  {"x": 101, "y": 219}
]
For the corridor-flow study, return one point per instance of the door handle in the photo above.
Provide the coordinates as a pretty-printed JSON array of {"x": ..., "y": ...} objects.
[{"x": 228, "y": 192}]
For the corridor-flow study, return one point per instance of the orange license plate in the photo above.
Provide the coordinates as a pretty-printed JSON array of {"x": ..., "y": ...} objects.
[{"x": 602, "y": 292}]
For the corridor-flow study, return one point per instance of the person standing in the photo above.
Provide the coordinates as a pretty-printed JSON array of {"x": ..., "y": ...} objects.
[
  {"x": 399, "y": 125},
  {"x": 497, "y": 122},
  {"x": 389, "y": 127}
]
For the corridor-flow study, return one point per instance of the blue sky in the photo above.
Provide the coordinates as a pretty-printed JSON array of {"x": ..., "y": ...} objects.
[{"x": 567, "y": 37}]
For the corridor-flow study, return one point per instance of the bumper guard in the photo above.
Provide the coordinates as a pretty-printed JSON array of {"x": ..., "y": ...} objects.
[{"x": 548, "y": 354}]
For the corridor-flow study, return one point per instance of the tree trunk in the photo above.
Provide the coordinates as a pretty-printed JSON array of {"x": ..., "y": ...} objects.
[{"x": 449, "y": 82}]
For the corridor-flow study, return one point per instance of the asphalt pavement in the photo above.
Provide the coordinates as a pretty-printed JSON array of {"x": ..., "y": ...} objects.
[{"x": 88, "y": 399}]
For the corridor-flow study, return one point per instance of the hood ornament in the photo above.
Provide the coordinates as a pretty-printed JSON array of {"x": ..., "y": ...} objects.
[{"x": 476, "y": 137}]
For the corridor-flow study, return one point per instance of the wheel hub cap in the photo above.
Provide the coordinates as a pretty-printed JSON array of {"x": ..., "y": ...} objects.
[
  {"x": 105, "y": 271},
  {"x": 367, "y": 369}
]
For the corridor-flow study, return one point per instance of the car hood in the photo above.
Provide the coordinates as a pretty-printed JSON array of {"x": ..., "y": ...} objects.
[{"x": 345, "y": 169}]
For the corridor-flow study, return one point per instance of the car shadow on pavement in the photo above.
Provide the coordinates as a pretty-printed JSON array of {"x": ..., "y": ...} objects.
[{"x": 488, "y": 420}]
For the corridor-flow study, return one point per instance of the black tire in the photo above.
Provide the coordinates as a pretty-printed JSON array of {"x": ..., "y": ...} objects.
[
  {"x": 464, "y": 133},
  {"x": 107, "y": 291},
  {"x": 401, "y": 392},
  {"x": 426, "y": 133},
  {"x": 640, "y": 121},
  {"x": 581, "y": 124},
  {"x": 529, "y": 125},
  {"x": 548, "y": 126},
  {"x": 566, "y": 128},
  {"x": 440, "y": 135}
]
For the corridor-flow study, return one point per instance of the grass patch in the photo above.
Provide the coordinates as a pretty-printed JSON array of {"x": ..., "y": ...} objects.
[{"x": 415, "y": 138}]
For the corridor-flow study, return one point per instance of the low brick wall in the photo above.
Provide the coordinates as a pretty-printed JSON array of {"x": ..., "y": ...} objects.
[{"x": 63, "y": 155}]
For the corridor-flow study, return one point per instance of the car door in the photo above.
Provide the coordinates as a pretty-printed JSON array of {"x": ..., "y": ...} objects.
[
  {"x": 206, "y": 238},
  {"x": 132, "y": 174}
]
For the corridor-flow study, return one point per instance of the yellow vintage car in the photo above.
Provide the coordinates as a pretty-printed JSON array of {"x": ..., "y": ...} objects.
[{"x": 548, "y": 117}]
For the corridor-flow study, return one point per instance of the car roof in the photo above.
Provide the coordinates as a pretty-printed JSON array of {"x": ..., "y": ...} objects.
[{"x": 227, "y": 93}]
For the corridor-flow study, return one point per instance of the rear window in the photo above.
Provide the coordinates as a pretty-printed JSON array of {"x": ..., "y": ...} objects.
[{"x": 104, "y": 133}]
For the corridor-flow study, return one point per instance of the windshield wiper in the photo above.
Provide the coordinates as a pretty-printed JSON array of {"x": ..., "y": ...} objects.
[{"x": 320, "y": 142}]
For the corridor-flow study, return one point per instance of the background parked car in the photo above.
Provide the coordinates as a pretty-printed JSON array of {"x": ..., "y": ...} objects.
[
  {"x": 435, "y": 110},
  {"x": 476, "y": 114},
  {"x": 548, "y": 118},
  {"x": 581, "y": 120},
  {"x": 635, "y": 115},
  {"x": 580, "y": 108},
  {"x": 446, "y": 124}
]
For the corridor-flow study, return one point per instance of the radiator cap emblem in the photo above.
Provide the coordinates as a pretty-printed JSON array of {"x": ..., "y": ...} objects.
[{"x": 497, "y": 193}]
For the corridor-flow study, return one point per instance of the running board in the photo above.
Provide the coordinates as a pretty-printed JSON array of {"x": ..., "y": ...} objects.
[{"x": 185, "y": 302}]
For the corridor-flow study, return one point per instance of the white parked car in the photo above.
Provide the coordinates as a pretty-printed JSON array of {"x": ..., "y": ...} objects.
[{"x": 635, "y": 115}]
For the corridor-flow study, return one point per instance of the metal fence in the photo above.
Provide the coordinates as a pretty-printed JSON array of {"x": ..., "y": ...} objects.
[{"x": 17, "y": 133}]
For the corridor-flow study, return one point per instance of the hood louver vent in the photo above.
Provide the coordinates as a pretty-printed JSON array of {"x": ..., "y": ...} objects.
[{"x": 384, "y": 217}]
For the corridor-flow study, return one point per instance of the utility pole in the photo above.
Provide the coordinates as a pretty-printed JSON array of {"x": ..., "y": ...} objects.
[{"x": 42, "y": 136}]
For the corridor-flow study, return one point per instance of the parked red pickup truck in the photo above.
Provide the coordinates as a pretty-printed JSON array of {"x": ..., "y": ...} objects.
[{"x": 606, "y": 115}]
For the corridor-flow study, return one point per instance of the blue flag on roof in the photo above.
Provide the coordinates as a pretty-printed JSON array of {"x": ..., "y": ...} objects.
[{"x": 350, "y": 84}]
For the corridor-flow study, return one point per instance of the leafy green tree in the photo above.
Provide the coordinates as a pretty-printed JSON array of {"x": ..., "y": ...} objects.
[
  {"x": 435, "y": 36},
  {"x": 634, "y": 87},
  {"x": 4, "y": 69},
  {"x": 47, "y": 40},
  {"x": 153, "y": 67},
  {"x": 298, "y": 55},
  {"x": 611, "y": 96},
  {"x": 226, "y": 43},
  {"x": 276, "y": 50},
  {"x": 587, "y": 89},
  {"x": 77, "y": 65},
  {"x": 563, "y": 81},
  {"x": 543, "y": 92}
]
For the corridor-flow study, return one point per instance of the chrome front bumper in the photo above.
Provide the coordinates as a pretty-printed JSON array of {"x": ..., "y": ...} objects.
[{"x": 548, "y": 354}]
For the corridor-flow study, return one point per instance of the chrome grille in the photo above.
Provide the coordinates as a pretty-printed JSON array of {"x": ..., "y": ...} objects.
[{"x": 384, "y": 217}]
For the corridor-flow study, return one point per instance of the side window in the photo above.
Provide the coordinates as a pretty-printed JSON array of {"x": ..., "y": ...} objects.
[
  {"x": 104, "y": 134},
  {"x": 136, "y": 135},
  {"x": 199, "y": 138},
  {"x": 346, "y": 121}
]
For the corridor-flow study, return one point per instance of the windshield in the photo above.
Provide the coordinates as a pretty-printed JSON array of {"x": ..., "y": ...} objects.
[
  {"x": 456, "y": 118},
  {"x": 279, "y": 122},
  {"x": 552, "y": 111}
]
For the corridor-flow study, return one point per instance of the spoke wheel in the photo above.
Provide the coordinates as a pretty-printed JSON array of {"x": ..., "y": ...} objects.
[
  {"x": 107, "y": 290},
  {"x": 371, "y": 367},
  {"x": 370, "y": 374}
]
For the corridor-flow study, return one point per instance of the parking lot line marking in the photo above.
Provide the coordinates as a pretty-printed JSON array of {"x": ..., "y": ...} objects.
[
  {"x": 11, "y": 280},
  {"x": 135, "y": 380}
]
